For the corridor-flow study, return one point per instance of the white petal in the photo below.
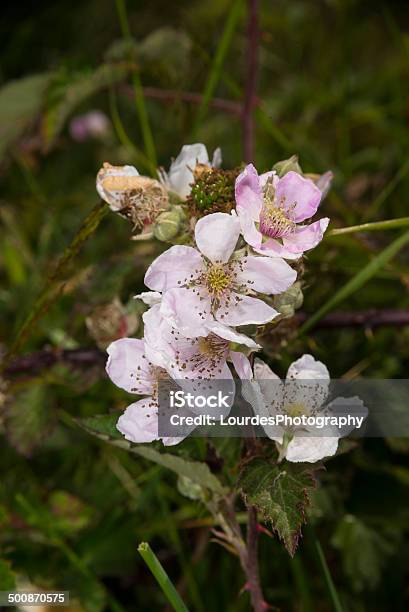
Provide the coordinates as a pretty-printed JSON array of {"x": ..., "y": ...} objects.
[
  {"x": 128, "y": 367},
  {"x": 186, "y": 311},
  {"x": 180, "y": 175},
  {"x": 231, "y": 334},
  {"x": 241, "y": 365},
  {"x": 245, "y": 310},
  {"x": 149, "y": 297},
  {"x": 216, "y": 236},
  {"x": 271, "y": 386},
  {"x": 265, "y": 274},
  {"x": 158, "y": 337},
  {"x": 139, "y": 422},
  {"x": 217, "y": 158},
  {"x": 173, "y": 268},
  {"x": 308, "y": 368},
  {"x": 310, "y": 449}
]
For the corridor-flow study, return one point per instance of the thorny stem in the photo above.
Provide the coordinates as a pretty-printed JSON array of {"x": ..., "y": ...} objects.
[{"x": 246, "y": 551}]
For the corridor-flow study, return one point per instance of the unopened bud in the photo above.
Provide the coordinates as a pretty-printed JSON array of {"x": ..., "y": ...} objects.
[
  {"x": 137, "y": 198},
  {"x": 289, "y": 301},
  {"x": 287, "y": 165},
  {"x": 168, "y": 224}
]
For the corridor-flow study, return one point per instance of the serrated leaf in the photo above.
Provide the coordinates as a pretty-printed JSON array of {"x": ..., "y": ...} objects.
[
  {"x": 281, "y": 493},
  {"x": 104, "y": 427}
]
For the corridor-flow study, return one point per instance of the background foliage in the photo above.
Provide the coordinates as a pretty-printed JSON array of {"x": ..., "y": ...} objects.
[{"x": 332, "y": 88}]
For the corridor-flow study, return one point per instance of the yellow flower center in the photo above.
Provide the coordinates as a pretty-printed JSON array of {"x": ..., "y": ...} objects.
[
  {"x": 217, "y": 279},
  {"x": 297, "y": 409}
]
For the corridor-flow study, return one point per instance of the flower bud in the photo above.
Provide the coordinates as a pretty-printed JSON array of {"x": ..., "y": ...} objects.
[
  {"x": 289, "y": 301},
  {"x": 287, "y": 165},
  {"x": 137, "y": 198},
  {"x": 168, "y": 224}
]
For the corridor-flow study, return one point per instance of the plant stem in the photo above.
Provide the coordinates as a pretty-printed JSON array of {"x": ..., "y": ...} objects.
[
  {"x": 328, "y": 578},
  {"x": 161, "y": 576},
  {"x": 251, "y": 80},
  {"x": 137, "y": 85},
  {"x": 370, "y": 227},
  {"x": 252, "y": 566}
]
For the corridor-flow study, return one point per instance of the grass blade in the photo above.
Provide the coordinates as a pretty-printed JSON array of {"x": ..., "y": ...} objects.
[
  {"x": 137, "y": 85},
  {"x": 358, "y": 280},
  {"x": 161, "y": 576},
  {"x": 217, "y": 64},
  {"x": 328, "y": 578},
  {"x": 370, "y": 227}
]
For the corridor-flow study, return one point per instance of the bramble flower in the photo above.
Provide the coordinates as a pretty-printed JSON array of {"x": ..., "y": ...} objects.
[
  {"x": 137, "y": 198},
  {"x": 191, "y": 159},
  {"x": 200, "y": 358},
  {"x": 211, "y": 282},
  {"x": 304, "y": 392},
  {"x": 129, "y": 368},
  {"x": 270, "y": 210}
]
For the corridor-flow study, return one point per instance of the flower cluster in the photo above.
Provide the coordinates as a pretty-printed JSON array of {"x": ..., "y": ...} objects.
[{"x": 221, "y": 273}]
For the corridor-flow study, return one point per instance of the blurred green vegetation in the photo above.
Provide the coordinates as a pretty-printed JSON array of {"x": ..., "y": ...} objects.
[{"x": 332, "y": 88}]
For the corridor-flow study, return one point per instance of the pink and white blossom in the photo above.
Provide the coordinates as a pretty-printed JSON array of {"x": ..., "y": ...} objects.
[
  {"x": 197, "y": 358},
  {"x": 130, "y": 369},
  {"x": 272, "y": 211},
  {"x": 212, "y": 283},
  {"x": 303, "y": 392}
]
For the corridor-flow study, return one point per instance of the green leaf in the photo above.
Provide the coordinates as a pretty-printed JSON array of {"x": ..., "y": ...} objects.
[
  {"x": 28, "y": 419},
  {"x": 357, "y": 281},
  {"x": 7, "y": 577},
  {"x": 20, "y": 102},
  {"x": 104, "y": 427},
  {"x": 364, "y": 551},
  {"x": 281, "y": 493}
]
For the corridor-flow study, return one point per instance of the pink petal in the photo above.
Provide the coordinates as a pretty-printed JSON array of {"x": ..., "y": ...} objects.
[
  {"x": 249, "y": 196},
  {"x": 158, "y": 337},
  {"x": 241, "y": 365},
  {"x": 216, "y": 236},
  {"x": 231, "y": 335},
  {"x": 245, "y": 310},
  {"x": 301, "y": 197},
  {"x": 128, "y": 367},
  {"x": 306, "y": 237},
  {"x": 265, "y": 274},
  {"x": 139, "y": 422},
  {"x": 188, "y": 312},
  {"x": 248, "y": 228},
  {"x": 173, "y": 268},
  {"x": 273, "y": 248}
]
